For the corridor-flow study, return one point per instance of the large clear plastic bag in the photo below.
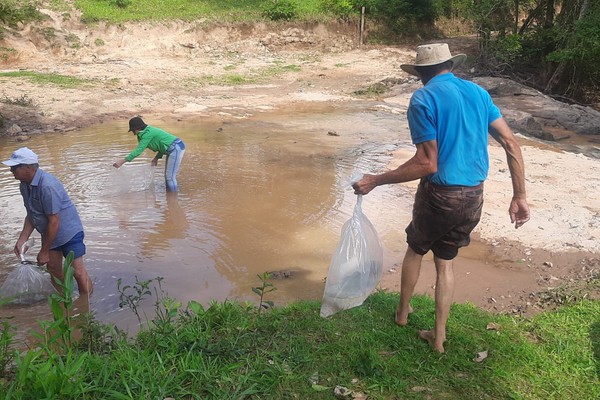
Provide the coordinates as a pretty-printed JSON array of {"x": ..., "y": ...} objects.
[
  {"x": 27, "y": 284},
  {"x": 356, "y": 265},
  {"x": 129, "y": 178}
]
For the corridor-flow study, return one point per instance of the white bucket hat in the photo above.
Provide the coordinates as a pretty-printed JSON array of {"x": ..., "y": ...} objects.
[{"x": 433, "y": 54}]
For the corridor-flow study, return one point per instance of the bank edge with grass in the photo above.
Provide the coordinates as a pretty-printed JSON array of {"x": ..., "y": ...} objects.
[{"x": 258, "y": 351}]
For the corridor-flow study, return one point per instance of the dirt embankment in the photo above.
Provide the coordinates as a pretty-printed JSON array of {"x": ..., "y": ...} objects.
[
  {"x": 175, "y": 68},
  {"x": 87, "y": 75}
]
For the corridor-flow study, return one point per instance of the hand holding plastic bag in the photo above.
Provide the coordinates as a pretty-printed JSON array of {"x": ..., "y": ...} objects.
[
  {"x": 356, "y": 265},
  {"x": 26, "y": 284}
]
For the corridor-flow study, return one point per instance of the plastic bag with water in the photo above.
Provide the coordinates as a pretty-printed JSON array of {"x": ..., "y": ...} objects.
[
  {"x": 27, "y": 284},
  {"x": 129, "y": 178},
  {"x": 356, "y": 265}
]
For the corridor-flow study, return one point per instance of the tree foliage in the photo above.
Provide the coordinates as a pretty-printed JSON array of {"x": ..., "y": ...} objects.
[
  {"x": 554, "y": 45},
  {"x": 15, "y": 11}
]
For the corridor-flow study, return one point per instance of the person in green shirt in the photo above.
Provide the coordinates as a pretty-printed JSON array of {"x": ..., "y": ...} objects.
[{"x": 163, "y": 143}]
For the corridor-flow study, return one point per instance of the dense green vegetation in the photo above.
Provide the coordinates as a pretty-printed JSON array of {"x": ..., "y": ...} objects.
[{"x": 245, "y": 351}]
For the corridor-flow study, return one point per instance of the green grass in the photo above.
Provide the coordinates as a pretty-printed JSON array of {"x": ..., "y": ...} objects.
[
  {"x": 254, "y": 76},
  {"x": 188, "y": 10},
  {"x": 63, "y": 81},
  {"x": 220, "y": 80},
  {"x": 231, "y": 351}
]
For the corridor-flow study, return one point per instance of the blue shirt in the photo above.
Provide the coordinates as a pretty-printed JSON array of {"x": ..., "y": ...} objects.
[
  {"x": 456, "y": 113},
  {"x": 45, "y": 196}
]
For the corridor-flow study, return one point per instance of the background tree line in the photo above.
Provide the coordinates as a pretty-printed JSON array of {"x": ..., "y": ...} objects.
[{"x": 551, "y": 45}]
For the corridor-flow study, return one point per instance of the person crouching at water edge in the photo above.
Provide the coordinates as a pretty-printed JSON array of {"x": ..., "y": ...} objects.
[
  {"x": 51, "y": 212},
  {"x": 155, "y": 139}
]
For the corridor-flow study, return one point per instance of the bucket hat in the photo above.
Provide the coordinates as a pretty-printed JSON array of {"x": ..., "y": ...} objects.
[
  {"x": 21, "y": 156},
  {"x": 136, "y": 124},
  {"x": 433, "y": 54}
]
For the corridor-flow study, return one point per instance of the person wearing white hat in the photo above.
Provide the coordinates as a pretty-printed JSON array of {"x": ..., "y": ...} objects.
[
  {"x": 51, "y": 212},
  {"x": 449, "y": 120}
]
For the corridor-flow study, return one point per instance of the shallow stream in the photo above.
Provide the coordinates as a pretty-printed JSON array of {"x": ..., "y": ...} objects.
[
  {"x": 265, "y": 193},
  {"x": 256, "y": 195}
]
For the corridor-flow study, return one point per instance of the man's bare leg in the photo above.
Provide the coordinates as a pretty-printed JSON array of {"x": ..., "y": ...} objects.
[
  {"x": 84, "y": 283},
  {"x": 55, "y": 268},
  {"x": 444, "y": 293},
  {"x": 411, "y": 268}
]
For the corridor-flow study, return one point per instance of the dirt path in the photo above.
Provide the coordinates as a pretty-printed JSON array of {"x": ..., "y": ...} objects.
[{"x": 183, "y": 71}]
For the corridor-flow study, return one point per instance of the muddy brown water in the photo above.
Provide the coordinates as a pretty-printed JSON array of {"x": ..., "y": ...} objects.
[
  {"x": 265, "y": 193},
  {"x": 256, "y": 195}
]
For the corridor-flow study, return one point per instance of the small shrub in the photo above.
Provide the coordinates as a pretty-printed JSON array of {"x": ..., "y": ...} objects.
[
  {"x": 262, "y": 290},
  {"x": 48, "y": 33},
  {"x": 99, "y": 42},
  {"x": 373, "y": 90},
  {"x": 281, "y": 10},
  {"x": 73, "y": 40},
  {"x": 341, "y": 8},
  {"x": 12, "y": 12},
  {"x": 6, "y": 52}
]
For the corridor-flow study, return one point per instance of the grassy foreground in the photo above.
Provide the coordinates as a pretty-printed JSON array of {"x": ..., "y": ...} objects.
[{"x": 235, "y": 351}]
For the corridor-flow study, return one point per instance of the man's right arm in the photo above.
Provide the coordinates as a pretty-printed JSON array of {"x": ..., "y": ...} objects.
[
  {"x": 423, "y": 163},
  {"x": 519, "y": 209},
  {"x": 25, "y": 233}
]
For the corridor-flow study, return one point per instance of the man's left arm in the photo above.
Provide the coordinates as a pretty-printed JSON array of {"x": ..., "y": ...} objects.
[
  {"x": 51, "y": 199},
  {"x": 518, "y": 209},
  {"x": 47, "y": 239}
]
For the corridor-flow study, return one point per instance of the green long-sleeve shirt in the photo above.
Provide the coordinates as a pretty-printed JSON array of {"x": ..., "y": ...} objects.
[{"x": 154, "y": 139}]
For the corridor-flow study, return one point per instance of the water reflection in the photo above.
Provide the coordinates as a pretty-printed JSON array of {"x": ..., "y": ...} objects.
[{"x": 255, "y": 195}]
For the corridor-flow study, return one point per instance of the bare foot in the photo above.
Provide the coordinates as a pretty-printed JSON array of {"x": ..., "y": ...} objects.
[
  {"x": 429, "y": 337},
  {"x": 402, "y": 318}
]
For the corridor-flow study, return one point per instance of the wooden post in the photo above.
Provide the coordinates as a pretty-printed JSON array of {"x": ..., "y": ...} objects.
[{"x": 362, "y": 25}]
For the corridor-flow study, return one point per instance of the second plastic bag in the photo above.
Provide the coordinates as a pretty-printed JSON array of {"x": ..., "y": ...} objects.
[
  {"x": 27, "y": 284},
  {"x": 356, "y": 265}
]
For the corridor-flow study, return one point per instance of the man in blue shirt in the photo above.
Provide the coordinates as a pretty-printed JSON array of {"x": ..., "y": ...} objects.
[
  {"x": 449, "y": 120},
  {"x": 51, "y": 212}
]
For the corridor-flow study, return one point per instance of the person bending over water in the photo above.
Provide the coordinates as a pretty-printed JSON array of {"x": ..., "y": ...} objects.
[{"x": 163, "y": 143}]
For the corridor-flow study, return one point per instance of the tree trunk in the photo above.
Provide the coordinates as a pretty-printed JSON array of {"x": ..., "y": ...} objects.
[
  {"x": 558, "y": 72},
  {"x": 550, "y": 11}
]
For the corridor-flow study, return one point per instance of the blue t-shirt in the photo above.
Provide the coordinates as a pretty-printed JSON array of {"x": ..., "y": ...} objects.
[
  {"x": 45, "y": 196},
  {"x": 456, "y": 113}
]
